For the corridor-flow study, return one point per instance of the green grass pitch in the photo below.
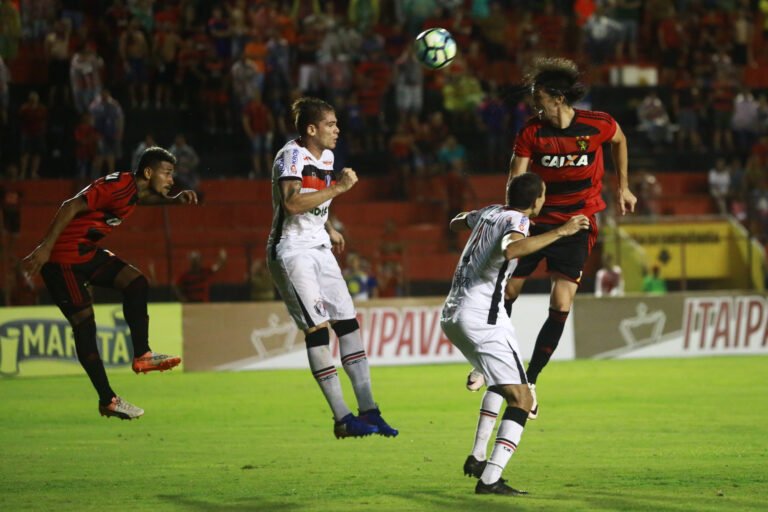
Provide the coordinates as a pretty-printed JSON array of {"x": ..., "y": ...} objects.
[{"x": 612, "y": 435}]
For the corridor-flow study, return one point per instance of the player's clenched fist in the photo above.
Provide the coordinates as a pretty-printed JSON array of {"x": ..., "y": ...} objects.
[
  {"x": 574, "y": 225},
  {"x": 348, "y": 179}
]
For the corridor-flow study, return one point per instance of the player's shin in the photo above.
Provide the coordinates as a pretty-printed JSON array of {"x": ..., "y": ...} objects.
[
  {"x": 507, "y": 439},
  {"x": 135, "y": 297},
  {"x": 489, "y": 411},
  {"x": 84, "y": 333},
  {"x": 355, "y": 362},
  {"x": 324, "y": 371},
  {"x": 546, "y": 343}
]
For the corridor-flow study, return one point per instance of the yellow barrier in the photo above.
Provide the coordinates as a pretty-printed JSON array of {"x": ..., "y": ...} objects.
[{"x": 38, "y": 340}]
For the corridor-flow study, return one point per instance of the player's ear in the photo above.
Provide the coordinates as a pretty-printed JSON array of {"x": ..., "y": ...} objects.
[
  {"x": 147, "y": 172},
  {"x": 311, "y": 130}
]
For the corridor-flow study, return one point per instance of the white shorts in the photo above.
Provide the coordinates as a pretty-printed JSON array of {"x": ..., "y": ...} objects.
[
  {"x": 312, "y": 287},
  {"x": 492, "y": 349}
]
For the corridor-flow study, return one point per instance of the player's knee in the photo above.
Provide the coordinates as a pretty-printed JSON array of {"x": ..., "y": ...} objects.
[
  {"x": 318, "y": 338},
  {"x": 139, "y": 285},
  {"x": 516, "y": 414},
  {"x": 344, "y": 327}
]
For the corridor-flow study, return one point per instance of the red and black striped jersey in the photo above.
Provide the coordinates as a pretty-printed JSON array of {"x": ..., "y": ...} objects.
[
  {"x": 110, "y": 200},
  {"x": 570, "y": 161}
]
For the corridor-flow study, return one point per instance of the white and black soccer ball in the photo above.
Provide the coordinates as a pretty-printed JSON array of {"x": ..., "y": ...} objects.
[{"x": 435, "y": 48}]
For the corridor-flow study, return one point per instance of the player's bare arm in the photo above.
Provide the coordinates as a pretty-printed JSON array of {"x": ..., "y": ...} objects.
[
  {"x": 295, "y": 202},
  {"x": 459, "y": 222},
  {"x": 68, "y": 210},
  {"x": 517, "y": 166},
  {"x": 337, "y": 239},
  {"x": 625, "y": 199},
  {"x": 516, "y": 245},
  {"x": 183, "y": 197}
]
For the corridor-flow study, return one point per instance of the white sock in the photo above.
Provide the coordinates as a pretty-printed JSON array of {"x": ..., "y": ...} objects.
[
  {"x": 507, "y": 439},
  {"x": 324, "y": 371},
  {"x": 355, "y": 363},
  {"x": 489, "y": 411}
]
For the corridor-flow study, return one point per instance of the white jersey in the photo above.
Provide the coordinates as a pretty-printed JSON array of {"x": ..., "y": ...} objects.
[
  {"x": 478, "y": 283},
  {"x": 303, "y": 230}
]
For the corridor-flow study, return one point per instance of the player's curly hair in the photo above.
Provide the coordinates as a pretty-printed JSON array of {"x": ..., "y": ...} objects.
[
  {"x": 524, "y": 190},
  {"x": 557, "y": 76},
  {"x": 307, "y": 111},
  {"x": 152, "y": 157}
]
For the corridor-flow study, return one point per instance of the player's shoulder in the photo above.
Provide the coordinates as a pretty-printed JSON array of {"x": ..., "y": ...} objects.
[
  {"x": 515, "y": 220},
  {"x": 595, "y": 115},
  {"x": 327, "y": 157},
  {"x": 117, "y": 179},
  {"x": 532, "y": 123}
]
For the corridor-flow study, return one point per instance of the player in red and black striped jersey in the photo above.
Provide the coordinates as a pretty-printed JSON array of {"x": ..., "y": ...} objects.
[
  {"x": 70, "y": 259},
  {"x": 563, "y": 145}
]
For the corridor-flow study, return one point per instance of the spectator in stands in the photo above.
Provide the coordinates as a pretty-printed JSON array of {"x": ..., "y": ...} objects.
[
  {"x": 390, "y": 245},
  {"x": 648, "y": 193},
  {"x": 721, "y": 102},
  {"x": 220, "y": 31},
  {"x": 356, "y": 278},
  {"x": 187, "y": 161},
  {"x": 609, "y": 281},
  {"x": 194, "y": 285},
  {"x": 493, "y": 120},
  {"x": 462, "y": 95},
  {"x": 190, "y": 74},
  {"x": 5, "y": 79},
  {"x": 58, "y": 55},
  {"x": 85, "y": 76},
  {"x": 391, "y": 280},
  {"x": 10, "y": 30},
  {"x": 745, "y": 120},
  {"x": 602, "y": 35},
  {"x": 167, "y": 46},
  {"x": 11, "y": 197},
  {"x": 33, "y": 125},
  {"x": 216, "y": 100},
  {"x": 654, "y": 120},
  {"x": 259, "y": 127},
  {"x": 135, "y": 53},
  {"x": 278, "y": 60},
  {"x": 109, "y": 122},
  {"x": 87, "y": 140},
  {"x": 246, "y": 81},
  {"x": 671, "y": 39},
  {"x": 687, "y": 105},
  {"x": 260, "y": 287},
  {"x": 452, "y": 155},
  {"x": 720, "y": 184},
  {"x": 653, "y": 283},
  {"x": 743, "y": 28},
  {"x": 148, "y": 142},
  {"x": 627, "y": 13}
]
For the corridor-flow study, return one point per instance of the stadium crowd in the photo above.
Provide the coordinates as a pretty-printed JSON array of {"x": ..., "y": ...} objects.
[{"x": 86, "y": 84}]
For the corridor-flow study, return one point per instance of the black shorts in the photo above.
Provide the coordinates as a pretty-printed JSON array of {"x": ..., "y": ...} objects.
[
  {"x": 565, "y": 256},
  {"x": 68, "y": 283}
]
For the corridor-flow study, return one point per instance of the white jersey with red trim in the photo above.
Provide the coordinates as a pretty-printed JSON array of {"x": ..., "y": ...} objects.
[
  {"x": 479, "y": 280},
  {"x": 303, "y": 230}
]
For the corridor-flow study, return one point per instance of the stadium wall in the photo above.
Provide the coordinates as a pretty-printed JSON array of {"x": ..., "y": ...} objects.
[{"x": 261, "y": 336}]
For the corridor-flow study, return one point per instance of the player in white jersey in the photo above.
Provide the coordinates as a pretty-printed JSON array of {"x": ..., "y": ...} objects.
[
  {"x": 305, "y": 271},
  {"x": 475, "y": 321}
]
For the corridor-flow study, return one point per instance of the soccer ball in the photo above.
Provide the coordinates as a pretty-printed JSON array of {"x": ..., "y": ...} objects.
[{"x": 435, "y": 48}]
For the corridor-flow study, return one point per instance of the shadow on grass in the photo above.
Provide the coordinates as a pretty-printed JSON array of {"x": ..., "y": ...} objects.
[{"x": 249, "y": 504}]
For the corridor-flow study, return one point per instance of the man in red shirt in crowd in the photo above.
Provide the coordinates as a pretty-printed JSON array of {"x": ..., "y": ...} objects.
[
  {"x": 194, "y": 285},
  {"x": 563, "y": 145},
  {"x": 69, "y": 260}
]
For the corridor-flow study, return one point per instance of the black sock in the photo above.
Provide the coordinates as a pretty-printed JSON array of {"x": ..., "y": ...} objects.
[
  {"x": 135, "y": 297},
  {"x": 88, "y": 355},
  {"x": 546, "y": 343}
]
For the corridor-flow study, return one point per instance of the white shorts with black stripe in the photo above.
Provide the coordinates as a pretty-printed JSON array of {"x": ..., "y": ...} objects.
[
  {"x": 312, "y": 287},
  {"x": 492, "y": 349}
]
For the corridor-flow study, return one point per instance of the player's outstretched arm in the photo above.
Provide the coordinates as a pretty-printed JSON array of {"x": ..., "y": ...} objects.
[
  {"x": 183, "y": 197},
  {"x": 294, "y": 202},
  {"x": 68, "y": 210},
  {"x": 625, "y": 199},
  {"x": 459, "y": 222},
  {"x": 516, "y": 245}
]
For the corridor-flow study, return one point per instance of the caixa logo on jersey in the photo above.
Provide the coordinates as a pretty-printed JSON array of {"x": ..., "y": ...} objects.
[
  {"x": 34, "y": 339},
  {"x": 566, "y": 160}
]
